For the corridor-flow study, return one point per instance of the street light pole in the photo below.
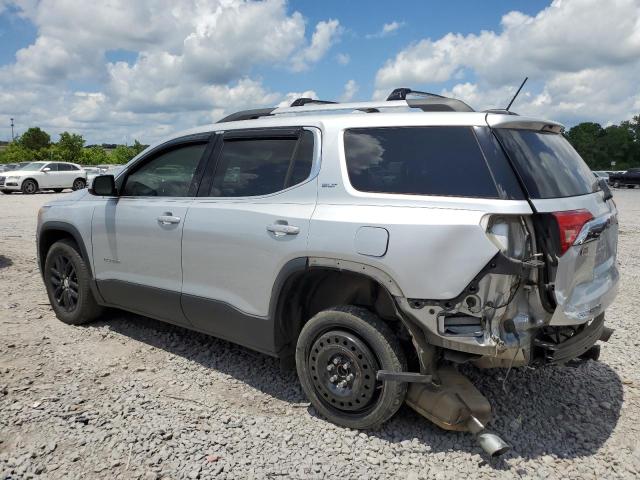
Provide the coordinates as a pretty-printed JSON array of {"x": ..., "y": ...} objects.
[{"x": 12, "y": 136}]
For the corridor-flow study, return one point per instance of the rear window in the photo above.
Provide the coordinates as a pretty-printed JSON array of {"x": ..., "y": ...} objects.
[
  {"x": 261, "y": 166},
  {"x": 547, "y": 163},
  {"x": 418, "y": 161}
]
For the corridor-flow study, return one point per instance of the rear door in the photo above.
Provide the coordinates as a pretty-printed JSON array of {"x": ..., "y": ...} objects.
[
  {"x": 576, "y": 223},
  {"x": 249, "y": 221}
]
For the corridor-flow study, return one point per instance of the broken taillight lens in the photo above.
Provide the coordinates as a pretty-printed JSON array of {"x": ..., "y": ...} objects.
[{"x": 570, "y": 223}]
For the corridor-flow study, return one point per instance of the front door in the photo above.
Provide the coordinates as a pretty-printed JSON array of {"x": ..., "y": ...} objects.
[
  {"x": 137, "y": 235},
  {"x": 244, "y": 228}
]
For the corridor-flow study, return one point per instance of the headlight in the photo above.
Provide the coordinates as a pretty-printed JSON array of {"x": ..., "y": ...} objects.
[{"x": 12, "y": 179}]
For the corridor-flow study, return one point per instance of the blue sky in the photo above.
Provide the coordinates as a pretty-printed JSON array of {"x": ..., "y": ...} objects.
[{"x": 119, "y": 70}]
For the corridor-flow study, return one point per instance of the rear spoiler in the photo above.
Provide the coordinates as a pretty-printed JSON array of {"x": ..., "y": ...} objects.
[{"x": 523, "y": 123}]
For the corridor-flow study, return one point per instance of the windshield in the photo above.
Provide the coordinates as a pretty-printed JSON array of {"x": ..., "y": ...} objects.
[
  {"x": 547, "y": 163},
  {"x": 32, "y": 166}
]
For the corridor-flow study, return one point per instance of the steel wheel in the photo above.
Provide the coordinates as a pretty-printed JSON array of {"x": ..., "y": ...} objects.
[
  {"x": 78, "y": 184},
  {"x": 64, "y": 279},
  {"x": 344, "y": 371}
]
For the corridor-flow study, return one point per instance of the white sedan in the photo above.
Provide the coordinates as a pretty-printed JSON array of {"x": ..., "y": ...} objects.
[{"x": 37, "y": 176}]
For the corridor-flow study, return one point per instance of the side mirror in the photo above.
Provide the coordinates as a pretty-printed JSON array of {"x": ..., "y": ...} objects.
[
  {"x": 46, "y": 169},
  {"x": 103, "y": 186}
]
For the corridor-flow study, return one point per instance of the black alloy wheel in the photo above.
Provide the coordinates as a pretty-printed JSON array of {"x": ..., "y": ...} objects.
[
  {"x": 64, "y": 279},
  {"x": 78, "y": 184}
]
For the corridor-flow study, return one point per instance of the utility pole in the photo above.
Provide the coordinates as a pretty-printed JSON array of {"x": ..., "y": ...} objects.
[{"x": 12, "y": 135}]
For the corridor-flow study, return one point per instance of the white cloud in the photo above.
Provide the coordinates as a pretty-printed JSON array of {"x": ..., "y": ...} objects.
[
  {"x": 387, "y": 29},
  {"x": 350, "y": 90},
  {"x": 325, "y": 35},
  {"x": 343, "y": 58},
  {"x": 194, "y": 63},
  {"x": 582, "y": 63}
]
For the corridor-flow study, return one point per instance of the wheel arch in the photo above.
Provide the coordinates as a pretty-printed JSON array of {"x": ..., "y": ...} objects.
[
  {"x": 306, "y": 286},
  {"x": 52, "y": 231}
]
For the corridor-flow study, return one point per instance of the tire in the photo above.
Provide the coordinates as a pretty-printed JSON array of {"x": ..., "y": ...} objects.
[
  {"x": 7, "y": 192},
  {"x": 64, "y": 266},
  {"x": 616, "y": 184},
  {"x": 29, "y": 186},
  {"x": 345, "y": 341},
  {"x": 58, "y": 190},
  {"x": 79, "y": 184}
]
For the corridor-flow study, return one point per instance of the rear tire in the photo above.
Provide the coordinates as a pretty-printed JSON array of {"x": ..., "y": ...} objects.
[
  {"x": 79, "y": 184},
  {"x": 338, "y": 354},
  {"x": 29, "y": 187},
  {"x": 68, "y": 283}
]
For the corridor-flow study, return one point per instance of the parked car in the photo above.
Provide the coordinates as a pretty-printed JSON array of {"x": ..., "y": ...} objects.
[
  {"x": 602, "y": 175},
  {"x": 372, "y": 246},
  {"x": 7, "y": 167},
  {"x": 37, "y": 176},
  {"x": 629, "y": 178},
  {"x": 93, "y": 172}
]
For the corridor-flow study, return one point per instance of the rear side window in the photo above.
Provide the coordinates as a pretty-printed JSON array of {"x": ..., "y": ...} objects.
[
  {"x": 418, "y": 161},
  {"x": 547, "y": 163},
  {"x": 262, "y": 165}
]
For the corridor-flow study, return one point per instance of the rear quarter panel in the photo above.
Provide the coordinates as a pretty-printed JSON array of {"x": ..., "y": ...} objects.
[{"x": 436, "y": 246}]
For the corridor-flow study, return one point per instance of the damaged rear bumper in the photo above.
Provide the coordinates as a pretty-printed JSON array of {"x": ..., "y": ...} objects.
[{"x": 576, "y": 345}]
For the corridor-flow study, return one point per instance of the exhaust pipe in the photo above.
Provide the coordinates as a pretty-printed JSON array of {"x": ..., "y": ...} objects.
[{"x": 490, "y": 442}]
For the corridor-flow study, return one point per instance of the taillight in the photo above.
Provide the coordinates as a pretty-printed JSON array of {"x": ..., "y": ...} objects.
[{"x": 570, "y": 223}]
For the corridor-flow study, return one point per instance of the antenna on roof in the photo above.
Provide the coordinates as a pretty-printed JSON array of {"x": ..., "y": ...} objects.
[{"x": 514, "y": 97}]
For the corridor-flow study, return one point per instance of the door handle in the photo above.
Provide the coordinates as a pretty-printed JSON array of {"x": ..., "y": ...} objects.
[
  {"x": 281, "y": 229},
  {"x": 168, "y": 219}
]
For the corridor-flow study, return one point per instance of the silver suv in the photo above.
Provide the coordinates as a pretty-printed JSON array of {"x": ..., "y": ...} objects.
[{"x": 375, "y": 245}]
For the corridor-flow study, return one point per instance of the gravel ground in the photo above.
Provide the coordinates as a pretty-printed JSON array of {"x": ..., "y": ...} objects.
[{"x": 129, "y": 397}]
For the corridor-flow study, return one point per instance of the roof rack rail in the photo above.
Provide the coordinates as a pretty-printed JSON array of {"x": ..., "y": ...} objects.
[
  {"x": 401, "y": 94},
  {"x": 429, "y": 103},
  {"x": 247, "y": 115},
  {"x": 302, "y": 101}
]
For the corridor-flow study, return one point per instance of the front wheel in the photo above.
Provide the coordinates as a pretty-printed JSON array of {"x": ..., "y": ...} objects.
[
  {"x": 29, "y": 187},
  {"x": 78, "y": 184},
  {"x": 338, "y": 354},
  {"x": 67, "y": 279}
]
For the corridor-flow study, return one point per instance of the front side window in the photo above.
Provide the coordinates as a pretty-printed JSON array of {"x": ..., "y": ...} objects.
[
  {"x": 167, "y": 175},
  {"x": 260, "y": 166},
  {"x": 31, "y": 166},
  {"x": 53, "y": 167},
  {"x": 444, "y": 161}
]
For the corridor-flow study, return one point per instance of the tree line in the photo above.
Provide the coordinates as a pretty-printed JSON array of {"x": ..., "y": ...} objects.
[
  {"x": 598, "y": 146},
  {"x": 35, "y": 144}
]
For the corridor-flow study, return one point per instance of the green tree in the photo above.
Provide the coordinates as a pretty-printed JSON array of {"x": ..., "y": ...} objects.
[
  {"x": 95, "y": 156},
  {"x": 15, "y": 152},
  {"x": 35, "y": 139},
  {"x": 122, "y": 153},
  {"x": 70, "y": 147},
  {"x": 585, "y": 138}
]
